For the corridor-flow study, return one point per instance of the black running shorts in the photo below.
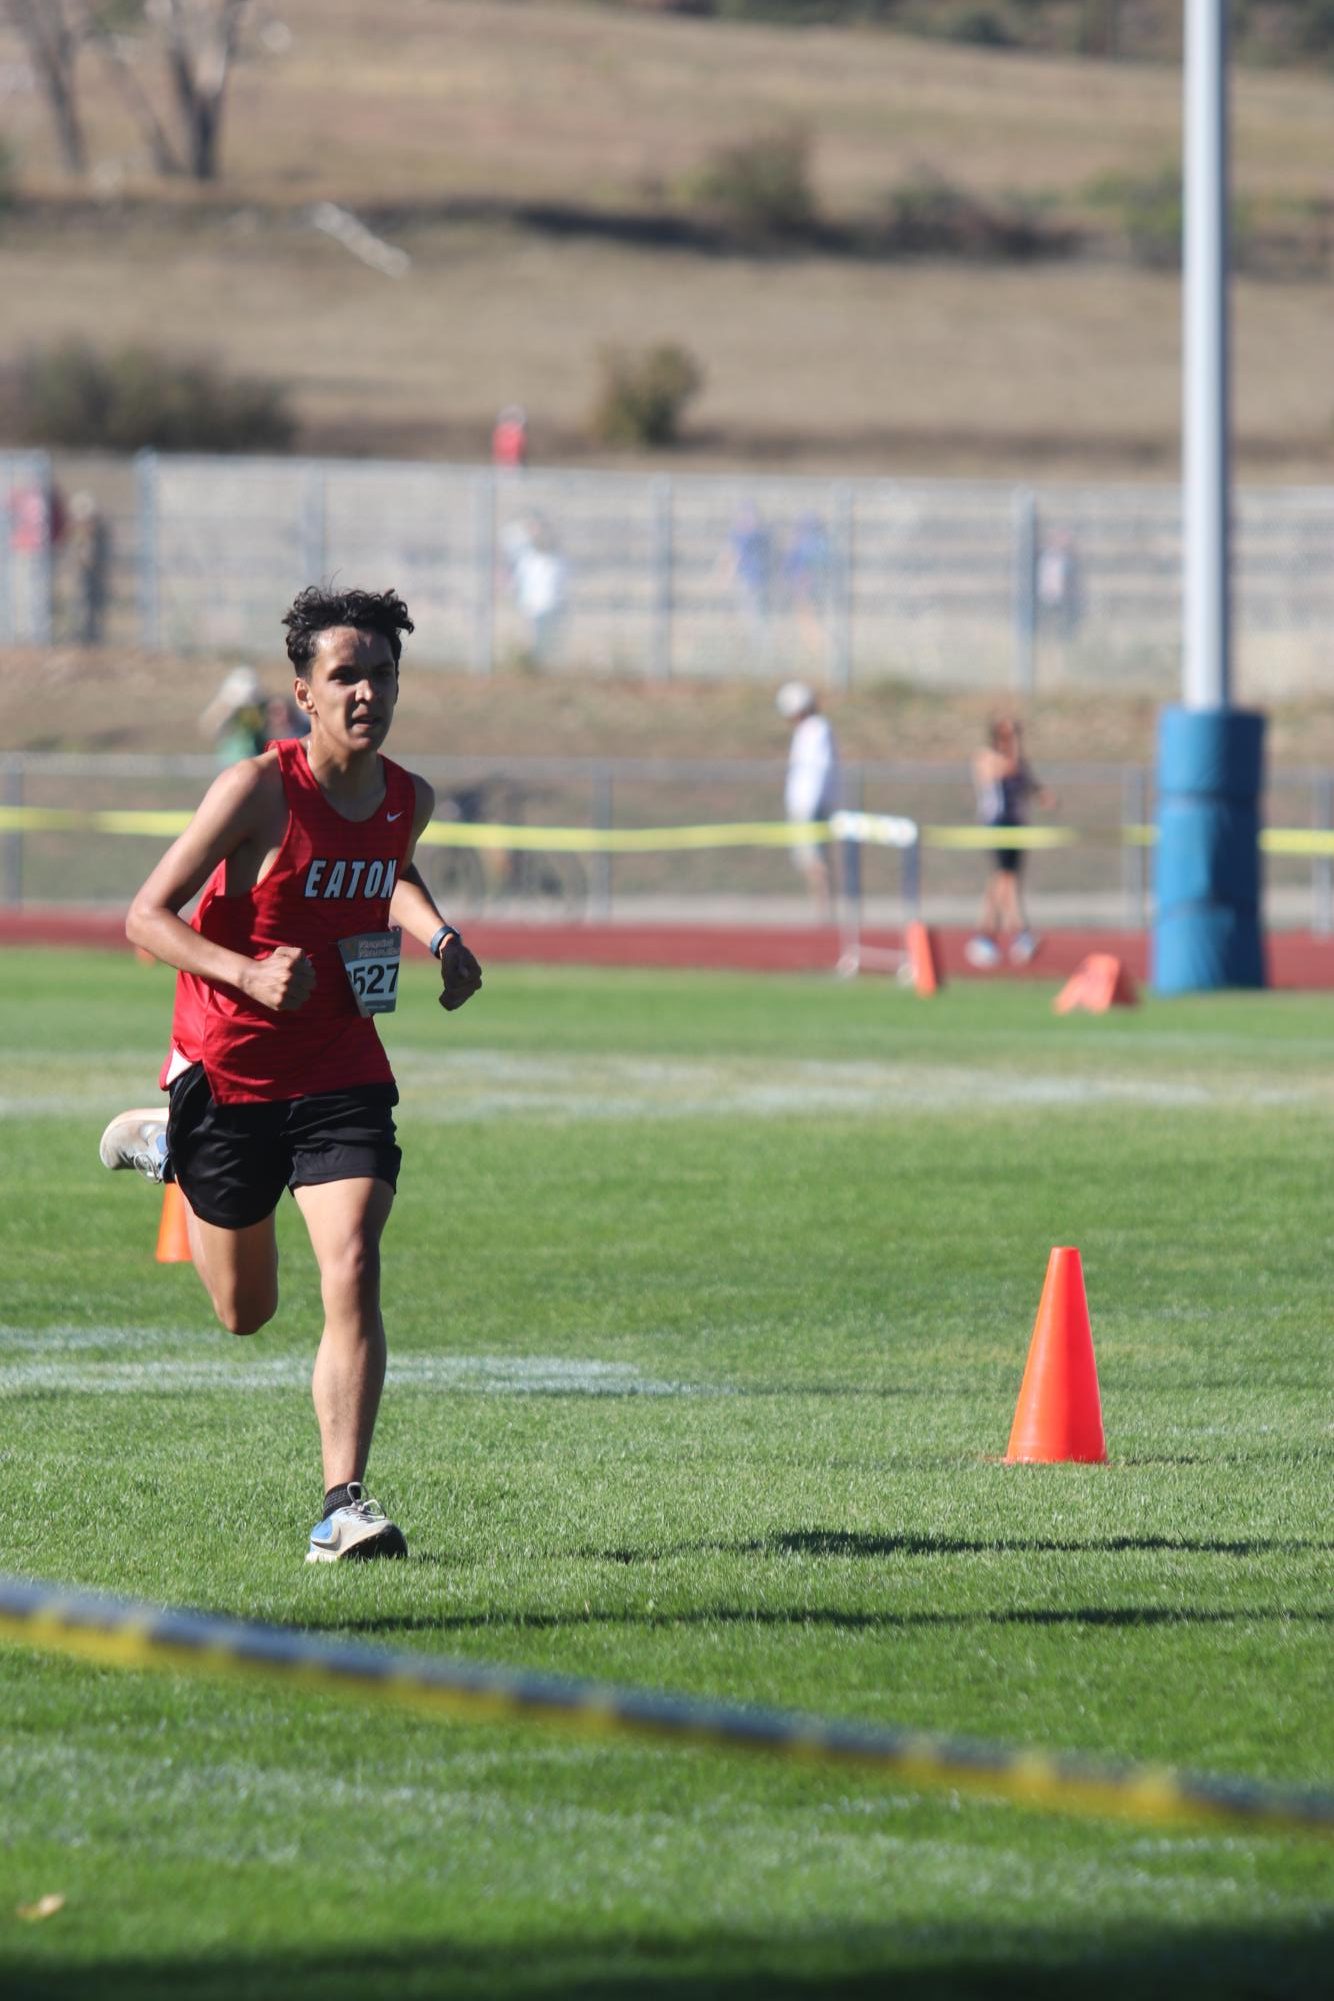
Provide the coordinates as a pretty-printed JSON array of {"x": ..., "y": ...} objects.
[{"x": 233, "y": 1161}]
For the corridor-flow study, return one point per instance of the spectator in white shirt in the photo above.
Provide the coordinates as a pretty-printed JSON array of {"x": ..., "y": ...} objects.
[
  {"x": 539, "y": 577},
  {"x": 812, "y": 788}
]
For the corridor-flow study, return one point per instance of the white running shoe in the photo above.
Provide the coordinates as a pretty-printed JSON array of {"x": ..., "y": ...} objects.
[
  {"x": 1024, "y": 949},
  {"x": 983, "y": 953},
  {"x": 137, "y": 1140},
  {"x": 360, "y": 1528}
]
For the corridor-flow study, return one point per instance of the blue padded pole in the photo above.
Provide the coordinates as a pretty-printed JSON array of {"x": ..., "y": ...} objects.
[{"x": 1207, "y": 930}]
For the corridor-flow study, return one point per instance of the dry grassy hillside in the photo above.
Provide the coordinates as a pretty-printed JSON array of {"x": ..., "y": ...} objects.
[
  {"x": 134, "y": 702},
  {"x": 446, "y": 124}
]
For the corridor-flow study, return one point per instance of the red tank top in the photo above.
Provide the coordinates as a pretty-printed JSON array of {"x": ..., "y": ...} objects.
[{"x": 331, "y": 879}]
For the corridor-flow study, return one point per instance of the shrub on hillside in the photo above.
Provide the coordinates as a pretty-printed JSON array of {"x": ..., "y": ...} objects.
[
  {"x": 1147, "y": 208},
  {"x": 786, "y": 13},
  {"x": 1278, "y": 237},
  {"x": 135, "y": 397},
  {"x": 930, "y": 216},
  {"x": 760, "y": 188},
  {"x": 982, "y": 27},
  {"x": 1264, "y": 31},
  {"x": 1315, "y": 27},
  {"x": 643, "y": 394}
]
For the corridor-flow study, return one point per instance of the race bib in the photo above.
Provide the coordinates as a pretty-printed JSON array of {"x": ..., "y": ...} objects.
[{"x": 371, "y": 962}]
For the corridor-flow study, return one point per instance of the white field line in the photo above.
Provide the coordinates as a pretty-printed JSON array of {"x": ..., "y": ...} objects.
[
  {"x": 484, "y": 1375},
  {"x": 486, "y": 1084},
  {"x": 489, "y": 1084},
  {"x": 73, "y": 1340},
  {"x": 211, "y": 1810}
]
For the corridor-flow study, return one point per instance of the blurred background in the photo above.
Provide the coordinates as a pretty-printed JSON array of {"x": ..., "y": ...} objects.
[{"x": 658, "y": 354}]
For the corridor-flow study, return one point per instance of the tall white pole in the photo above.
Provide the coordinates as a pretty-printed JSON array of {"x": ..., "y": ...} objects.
[{"x": 1207, "y": 666}]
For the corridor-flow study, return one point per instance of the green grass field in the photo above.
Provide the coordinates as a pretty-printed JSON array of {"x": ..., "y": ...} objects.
[{"x": 708, "y": 1302}]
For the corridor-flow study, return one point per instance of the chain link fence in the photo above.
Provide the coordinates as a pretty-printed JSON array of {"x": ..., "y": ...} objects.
[
  {"x": 952, "y": 584},
  {"x": 33, "y": 527},
  {"x": 931, "y": 582}
]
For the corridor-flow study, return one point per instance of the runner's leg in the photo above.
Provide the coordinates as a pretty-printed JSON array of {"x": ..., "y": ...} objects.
[
  {"x": 345, "y": 1220},
  {"x": 1017, "y": 891},
  {"x": 239, "y": 1269},
  {"x": 991, "y": 920}
]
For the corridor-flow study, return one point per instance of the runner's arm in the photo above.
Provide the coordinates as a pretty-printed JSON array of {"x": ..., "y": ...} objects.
[
  {"x": 413, "y": 906},
  {"x": 243, "y": 805}
]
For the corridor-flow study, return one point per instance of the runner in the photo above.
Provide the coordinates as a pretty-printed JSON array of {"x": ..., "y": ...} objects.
[
  {"x": 1004, "y": 783},
  {"x": 276, "y": 1075}
]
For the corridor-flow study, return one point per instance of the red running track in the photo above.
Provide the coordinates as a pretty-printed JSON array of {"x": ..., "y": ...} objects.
[{"x": 1297, "y": 959}]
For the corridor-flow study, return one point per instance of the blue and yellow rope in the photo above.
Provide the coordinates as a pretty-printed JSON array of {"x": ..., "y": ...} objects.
[{"x": 117, "y": 1633}]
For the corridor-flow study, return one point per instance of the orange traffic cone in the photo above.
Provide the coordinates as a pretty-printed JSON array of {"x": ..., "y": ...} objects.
[
  {"x": 928, "y": 975},
  {"x": 1059, "y": 1413},
  {"x": 1097, "y": 983},
  {"x": 173, "y": 1235}
]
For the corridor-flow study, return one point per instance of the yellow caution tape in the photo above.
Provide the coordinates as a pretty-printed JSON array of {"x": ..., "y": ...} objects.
[
  {"x": 118, "y": 1633},
  {"x": 624, "y": 840},
  {"x": 73, "y": 820},
  {"x": 872, "y": 829},
  {"x": 1014, "y": 837},
  {"x": 1297, "y": 841}
]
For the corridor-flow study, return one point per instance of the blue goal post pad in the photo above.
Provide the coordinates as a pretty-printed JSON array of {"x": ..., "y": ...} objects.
[{"x": 1207, "y": 927}]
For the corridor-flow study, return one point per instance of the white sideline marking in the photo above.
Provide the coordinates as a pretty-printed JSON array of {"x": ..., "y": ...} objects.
[
  {"x": 479, "y": 1084},
  {"x": 69, "y": 1340},
  {"x": 448, "y": 1087},
  {"x": 203, "y": 1807},
  {"x": 487, "y": 1375}
]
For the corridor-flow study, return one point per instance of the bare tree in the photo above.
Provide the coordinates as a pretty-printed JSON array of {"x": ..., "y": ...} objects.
[
  {"x": 1100, "y": 28},
  {"x": 200, "y": 39},
  {"x": 116, "y": 53},
  {"x": 52, "y": 40}
]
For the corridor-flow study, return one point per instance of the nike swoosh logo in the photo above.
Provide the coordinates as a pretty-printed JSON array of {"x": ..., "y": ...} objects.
[{"x": 394, "y": 816}]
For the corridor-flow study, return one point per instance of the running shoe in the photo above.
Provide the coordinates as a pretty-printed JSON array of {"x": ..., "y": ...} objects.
[
  {"x": 1023, "y": 949},
  {"x": 360, "y": 1528},
  {"x": 983, "y": 953},
  {"x": 137, "y": 1140}
]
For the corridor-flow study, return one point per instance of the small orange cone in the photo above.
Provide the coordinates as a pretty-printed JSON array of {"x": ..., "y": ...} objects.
[
  {"x": 1059, "y": 1413},
  {"x": 928, "y": 974},
  {"x": 1097, "y": 983},
  {"x": 173, "y": 1235}
]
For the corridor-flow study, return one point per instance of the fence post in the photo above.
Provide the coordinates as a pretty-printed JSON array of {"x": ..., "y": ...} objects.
[
  {"x": 484, "y": 573},
  {"x": 150, "y": 604},
  {"x": 911, "y": 878},
  {"x": 313, "y": 500},
  {"x": 1322, "y": 872},
  {"x": 845, "y": 857},
  {"x": 1134, "y": 857},
  {"x": 664, "y": 582},
  {"x": 11, "y": 881},
  {"x": 841, "y": 586},
  {"x": 7, "y": 633},
  {"x": 599, "y": 871},
  {"x": 44, "y": 567},
  {"x": 1025, "y": 537}
]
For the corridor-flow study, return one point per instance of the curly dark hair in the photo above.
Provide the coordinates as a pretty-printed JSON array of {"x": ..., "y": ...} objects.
[{"x": 315, "y": 610}]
